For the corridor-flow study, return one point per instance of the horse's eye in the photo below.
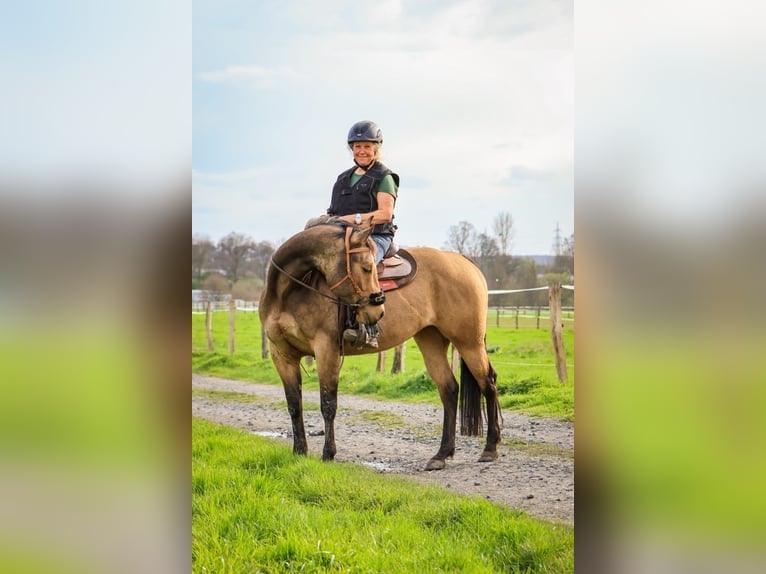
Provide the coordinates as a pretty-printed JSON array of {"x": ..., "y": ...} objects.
[{"x": 367, "y": 269}]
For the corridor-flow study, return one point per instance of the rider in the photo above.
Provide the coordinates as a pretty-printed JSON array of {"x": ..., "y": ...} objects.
[{"x": 368, "y": 189}]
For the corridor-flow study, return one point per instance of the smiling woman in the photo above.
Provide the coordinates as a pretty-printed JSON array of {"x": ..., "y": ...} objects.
[{"x": 367, "y": 192}]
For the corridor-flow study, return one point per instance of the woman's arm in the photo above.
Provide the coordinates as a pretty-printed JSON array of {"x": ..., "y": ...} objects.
[{"x": 383, "y": 214}]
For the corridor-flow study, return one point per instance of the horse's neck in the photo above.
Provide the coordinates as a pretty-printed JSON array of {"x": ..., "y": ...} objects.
[{"x": 297, "y": 258}]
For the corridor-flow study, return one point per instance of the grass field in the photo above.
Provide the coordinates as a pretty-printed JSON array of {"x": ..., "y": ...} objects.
[
  {"x": 523, "y": 359},
  {"x": 256, "y": 507}
]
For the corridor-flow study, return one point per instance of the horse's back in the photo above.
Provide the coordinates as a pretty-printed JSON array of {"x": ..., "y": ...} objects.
[{"x": 448, "y": 270}]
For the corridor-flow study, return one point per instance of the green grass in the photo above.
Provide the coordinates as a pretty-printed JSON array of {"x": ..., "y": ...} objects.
[
  {"x": 523, "y": 359},
  {"x": 256, "y": 507}
]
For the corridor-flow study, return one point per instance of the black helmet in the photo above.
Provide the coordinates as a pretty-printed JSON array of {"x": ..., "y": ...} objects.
[{"x": 365, "y": 131}]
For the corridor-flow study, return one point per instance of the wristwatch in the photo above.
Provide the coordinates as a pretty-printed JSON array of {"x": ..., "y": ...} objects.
[{"x": 358, "y": 218}]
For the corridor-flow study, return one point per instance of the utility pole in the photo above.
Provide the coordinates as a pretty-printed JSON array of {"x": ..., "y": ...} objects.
[{"x": 557, "y": 243}]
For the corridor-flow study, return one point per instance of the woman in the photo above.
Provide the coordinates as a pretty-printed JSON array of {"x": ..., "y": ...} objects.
[{"x": 368, "y": 189}]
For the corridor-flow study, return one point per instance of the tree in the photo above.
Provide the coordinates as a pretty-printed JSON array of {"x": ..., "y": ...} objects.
[
  {"x": 259, "y": 259},
  {"x": 202, "y": 257},
  {"x": 247, "y": 289},
  {"x": 216, "y": 286},
  {"x": 484, "y": 250},
  {"x": 503, "y": 227},
  {"x": 523, "y": 273},
  {"x": 233, "y": 254},
  {"x": 564, "y": 260},
  {"x": 460, "y": 238}
]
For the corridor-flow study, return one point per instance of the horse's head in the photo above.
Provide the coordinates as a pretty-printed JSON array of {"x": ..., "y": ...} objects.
[{"x": 352, "y": 275}]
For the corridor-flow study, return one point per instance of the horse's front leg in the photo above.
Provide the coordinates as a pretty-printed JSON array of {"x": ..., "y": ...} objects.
[
  {"x": 290, "y": 373},
  {"x": 328, "y": 371}
]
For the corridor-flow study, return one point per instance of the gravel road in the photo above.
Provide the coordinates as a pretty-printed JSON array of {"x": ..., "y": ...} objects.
[{"x": 534, "y": 472}]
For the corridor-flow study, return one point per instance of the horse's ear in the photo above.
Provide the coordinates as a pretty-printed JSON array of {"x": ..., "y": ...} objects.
[{"x": 365, "y": 229}]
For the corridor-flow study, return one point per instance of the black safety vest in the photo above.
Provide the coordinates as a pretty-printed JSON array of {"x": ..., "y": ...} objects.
[{"x": 361, "y": 198}]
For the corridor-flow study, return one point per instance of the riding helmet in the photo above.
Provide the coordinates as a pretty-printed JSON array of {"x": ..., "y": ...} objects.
[{"x": 365, "y": 131}]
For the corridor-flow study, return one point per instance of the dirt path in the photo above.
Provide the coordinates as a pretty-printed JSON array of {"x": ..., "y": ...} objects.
[{"x": 534, "y": 472}]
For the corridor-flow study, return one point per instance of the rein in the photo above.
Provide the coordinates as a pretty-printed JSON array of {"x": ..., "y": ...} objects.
[{"x": 304, "y": 284}]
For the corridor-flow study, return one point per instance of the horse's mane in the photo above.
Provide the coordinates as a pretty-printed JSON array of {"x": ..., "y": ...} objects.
[{"x": 325, "y": 220}]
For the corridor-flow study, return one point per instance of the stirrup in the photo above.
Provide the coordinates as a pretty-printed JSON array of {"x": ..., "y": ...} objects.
[{"x": 362, "y": 336}]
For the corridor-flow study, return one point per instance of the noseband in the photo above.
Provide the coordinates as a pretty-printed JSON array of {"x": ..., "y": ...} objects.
[{"x": 375, "y": 298}]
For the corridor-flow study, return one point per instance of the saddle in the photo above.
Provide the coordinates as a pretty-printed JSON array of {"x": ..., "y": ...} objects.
[{"x": 397, "y": 269}]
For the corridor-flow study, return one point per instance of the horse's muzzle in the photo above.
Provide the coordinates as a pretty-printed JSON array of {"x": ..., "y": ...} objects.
[{"x": 377, "y": 298}]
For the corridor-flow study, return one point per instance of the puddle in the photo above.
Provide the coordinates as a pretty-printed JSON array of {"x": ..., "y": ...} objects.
[
  {"x": 379, "y": 466},
  {"x": 270, "y": 434}
]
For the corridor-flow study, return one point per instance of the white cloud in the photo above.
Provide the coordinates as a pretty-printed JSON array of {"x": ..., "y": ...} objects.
[
  {"x": 463, "y": 91},
  {"x": 257, "y": 75}
]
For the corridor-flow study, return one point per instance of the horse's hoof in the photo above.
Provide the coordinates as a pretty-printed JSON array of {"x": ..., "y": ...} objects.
[
  {"x": 488, "y": 456},
  {"x": 435, "y": 464}
]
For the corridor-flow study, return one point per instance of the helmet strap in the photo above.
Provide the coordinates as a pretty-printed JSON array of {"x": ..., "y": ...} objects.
[{"x": 363, "y": 168}]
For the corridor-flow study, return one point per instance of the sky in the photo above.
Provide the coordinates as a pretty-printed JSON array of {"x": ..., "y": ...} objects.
[
  {"x": 95, "y": 91},
  {"x": 475, "y": 99}
]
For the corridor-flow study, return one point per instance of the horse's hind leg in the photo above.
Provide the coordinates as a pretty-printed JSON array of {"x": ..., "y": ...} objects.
[
  {"x": 290, "y": 373},
  {"x": 433, "y": 345},
  {"x": 479, "y": 372}
]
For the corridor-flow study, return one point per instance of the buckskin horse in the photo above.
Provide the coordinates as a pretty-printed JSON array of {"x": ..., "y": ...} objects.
[{"x": 327, "y": 268}]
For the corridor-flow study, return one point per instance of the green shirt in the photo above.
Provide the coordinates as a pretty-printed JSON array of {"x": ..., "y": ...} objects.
[{"x": 386, "y": 185}]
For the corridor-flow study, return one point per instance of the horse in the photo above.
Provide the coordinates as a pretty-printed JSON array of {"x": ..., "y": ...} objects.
[{"x": 328, "y": 268}]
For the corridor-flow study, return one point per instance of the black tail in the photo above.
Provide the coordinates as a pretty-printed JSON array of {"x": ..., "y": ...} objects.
[{"x": 471, "y": 421}]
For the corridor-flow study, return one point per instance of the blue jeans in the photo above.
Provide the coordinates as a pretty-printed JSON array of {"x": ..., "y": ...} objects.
[{"x": 383, "y": 242}]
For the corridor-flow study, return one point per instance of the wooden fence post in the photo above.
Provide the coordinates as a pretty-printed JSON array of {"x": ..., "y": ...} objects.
[
  {"x": 209, "y": 325},
  {"x": 232, "y": 312},
  {"x": 264, "y": 343},
  {"x": 398, "y": 366},
  {"x": 554, "y": 302},
  {"x": 455, "y": 361},
  {"x": 381, "y": 362}
]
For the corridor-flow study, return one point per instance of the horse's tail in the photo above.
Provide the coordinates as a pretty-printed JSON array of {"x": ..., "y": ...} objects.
[
  {"x": 471, "y": 419},
  {"x": 471, "y": 423}
]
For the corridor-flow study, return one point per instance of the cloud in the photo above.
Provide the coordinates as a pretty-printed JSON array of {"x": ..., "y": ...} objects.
[
  {"x": 465, "y": 91},
  {"x": 251, "y": 75},
  {"x": 519, "y": 175}
]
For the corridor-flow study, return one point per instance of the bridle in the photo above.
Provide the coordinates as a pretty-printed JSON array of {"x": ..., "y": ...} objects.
[{"x": 374, "y": 298}]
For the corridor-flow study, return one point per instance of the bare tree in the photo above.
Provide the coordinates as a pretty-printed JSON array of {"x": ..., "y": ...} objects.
[
  {"x": 564, "y": 261},
  {"x": 233, "y": 255},
  {"x": 503, "y": 227},
  {"x": 484, "y": 250},
  {"x": 202, "y": 256},
  {"x": 461, "y": 237},
  {"x": 259, "y": 258}
]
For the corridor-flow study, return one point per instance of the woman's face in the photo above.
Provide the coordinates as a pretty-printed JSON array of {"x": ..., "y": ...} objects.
[{"x": 364, "y": 152}]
